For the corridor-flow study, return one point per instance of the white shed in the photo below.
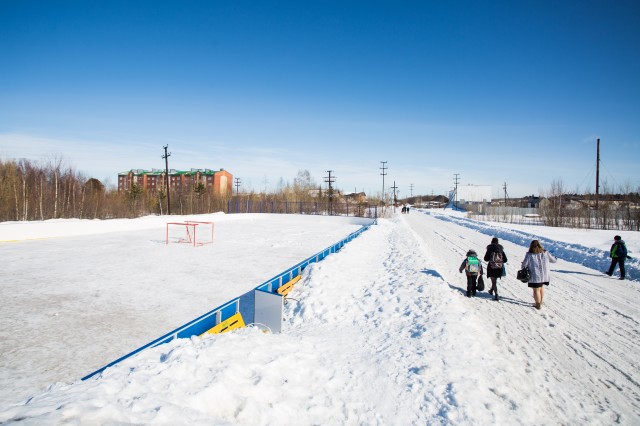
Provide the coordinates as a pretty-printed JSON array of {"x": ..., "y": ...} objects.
[{"x": 474, "y": 194}]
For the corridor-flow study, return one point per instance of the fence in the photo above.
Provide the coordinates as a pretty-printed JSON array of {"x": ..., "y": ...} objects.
[
  {"x": 244, "y": 304},
  {"x": 520, "y": 215},
  {"x": 303, "y": 207}
]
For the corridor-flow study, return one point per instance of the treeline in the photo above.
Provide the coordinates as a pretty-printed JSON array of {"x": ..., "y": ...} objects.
[
  {"x": 608, "y": 210},
  {"x": 54, "y": 190}
]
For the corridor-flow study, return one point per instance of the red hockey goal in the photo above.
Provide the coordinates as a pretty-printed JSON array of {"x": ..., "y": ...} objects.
[{"x": 190, "y": 232}]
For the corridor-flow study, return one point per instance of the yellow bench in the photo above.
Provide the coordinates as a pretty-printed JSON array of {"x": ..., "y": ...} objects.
[
  {"x": 284, "y": 289},
  {"x": 231, "y": 323}
]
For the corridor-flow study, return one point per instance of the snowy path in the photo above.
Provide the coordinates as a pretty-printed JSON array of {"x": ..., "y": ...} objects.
[
  {"x": 580, "y": 350},
  {"x": 381, "y": 333}
]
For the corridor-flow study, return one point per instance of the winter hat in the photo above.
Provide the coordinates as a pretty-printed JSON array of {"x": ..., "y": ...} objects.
[
  {"x": 494, "y": 240},
  {"x": 617, "y": 238},
  {"x": 472, "y": 253}
]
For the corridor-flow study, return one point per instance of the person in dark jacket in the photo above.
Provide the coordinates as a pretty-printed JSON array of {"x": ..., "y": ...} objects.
[
  {"x": 618, "y": 255},
  {"x": 472, "y": 266},
  {"x": 496, "y": 259}
]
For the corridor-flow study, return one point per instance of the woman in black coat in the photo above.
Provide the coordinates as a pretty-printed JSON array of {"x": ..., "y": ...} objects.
[{"x": 496, "y": 259}]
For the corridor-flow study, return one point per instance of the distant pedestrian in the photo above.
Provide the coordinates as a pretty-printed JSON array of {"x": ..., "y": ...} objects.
[
  {"x": 472, "y": 266},
  {"x": 496, "y": 259},
  {"x": 618, "y": 255},
  {"x": 537, "y": 260}
]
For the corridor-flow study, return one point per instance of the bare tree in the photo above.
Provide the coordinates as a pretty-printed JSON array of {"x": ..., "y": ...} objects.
[{"x": 552, "y": 208}]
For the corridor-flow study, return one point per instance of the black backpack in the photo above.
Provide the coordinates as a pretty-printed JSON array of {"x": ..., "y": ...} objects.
[
  {"x": 496, "y": 261},
  {"x": 621, "y": 250}
]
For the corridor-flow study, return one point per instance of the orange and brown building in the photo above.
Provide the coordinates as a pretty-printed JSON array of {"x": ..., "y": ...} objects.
[{"x": 216, "y": 182}]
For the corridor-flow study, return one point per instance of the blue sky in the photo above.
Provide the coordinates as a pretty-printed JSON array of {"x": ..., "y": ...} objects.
[{"x": 503, "y": 91}]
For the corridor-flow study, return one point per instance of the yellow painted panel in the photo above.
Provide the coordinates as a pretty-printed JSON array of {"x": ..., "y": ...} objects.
[
  {"x": 231, "y": 323},
  {"x": 286, "y": 288}
]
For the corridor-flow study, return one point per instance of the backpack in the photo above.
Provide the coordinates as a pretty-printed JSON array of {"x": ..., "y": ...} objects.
[
  {"x": 619, "y": 250},
  {"x": 496, "y": 261},
  {"x": 473, "y": 265},
  {"x": 623, "y": 252}
]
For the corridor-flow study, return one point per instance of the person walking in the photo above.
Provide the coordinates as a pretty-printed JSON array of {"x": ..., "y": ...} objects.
[
  {"x": 537, "y": 260},
  {"x": 618, "y": 255},
  {"x": 473, "y": 269},
  {"x": 496, "y": 259}
]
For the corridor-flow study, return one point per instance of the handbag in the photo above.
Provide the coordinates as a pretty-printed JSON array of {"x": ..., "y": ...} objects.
[
  {"x": 524, "y": 274},
  {"x": 480, "y": 284}
]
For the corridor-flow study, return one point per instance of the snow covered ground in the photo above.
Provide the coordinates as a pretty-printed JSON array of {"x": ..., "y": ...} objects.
[{"x": 379, "y": 333}]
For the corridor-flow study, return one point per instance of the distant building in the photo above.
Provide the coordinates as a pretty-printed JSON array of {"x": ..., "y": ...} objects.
[
  {"x": 474, "y": 194},
  {"x": 356, "y": 197},
  {"x": 216, "y": 182},
  {"x": 317, "y": 193}
]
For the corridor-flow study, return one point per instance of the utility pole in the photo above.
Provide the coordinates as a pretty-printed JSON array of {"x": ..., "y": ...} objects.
[
  {"x": 329, "y": 180},
  {"x": 504, "y": 187},
  {"x": 597, "y": 173},
  {"x": 383, "y": 168},
  {"x": 166, "y": 177},
  {"x": 395, "y": 199},
  {"x": 411, "y": 189},
  {"x": 456, "y": 179},
  {"x": 237, "y": 185}
]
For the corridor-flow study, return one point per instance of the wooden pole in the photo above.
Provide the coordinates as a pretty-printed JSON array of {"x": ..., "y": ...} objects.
[
  {"x": 166, "y": 176},
  {"x": 597, "y": 173}
]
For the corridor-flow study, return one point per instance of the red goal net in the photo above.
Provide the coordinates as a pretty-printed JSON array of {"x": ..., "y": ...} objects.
[{"x": 190, "y": 232}]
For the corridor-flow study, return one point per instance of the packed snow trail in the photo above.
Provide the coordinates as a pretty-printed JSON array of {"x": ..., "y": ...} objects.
[
  {"x": 579, "y": 351},
  {"x": 381, "y": 333},
  {"x": 395, "y": 318}
]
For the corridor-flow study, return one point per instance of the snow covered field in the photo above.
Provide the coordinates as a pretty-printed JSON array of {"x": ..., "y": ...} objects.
[{"x": 379, "y": 333}]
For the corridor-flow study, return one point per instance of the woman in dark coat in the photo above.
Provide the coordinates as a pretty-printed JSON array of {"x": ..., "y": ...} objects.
[{"x": 496, "y": 259}]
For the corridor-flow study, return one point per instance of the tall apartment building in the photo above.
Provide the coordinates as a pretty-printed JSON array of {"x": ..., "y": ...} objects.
[{"x": 217, "y": 182}]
